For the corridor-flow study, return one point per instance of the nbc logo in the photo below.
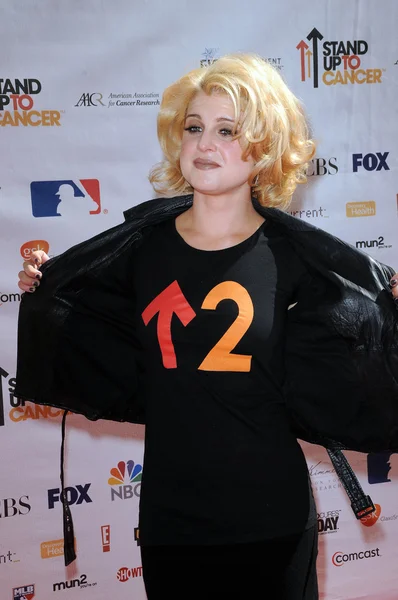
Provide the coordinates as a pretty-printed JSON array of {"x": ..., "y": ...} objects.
[{"x": 127, "y": 478}]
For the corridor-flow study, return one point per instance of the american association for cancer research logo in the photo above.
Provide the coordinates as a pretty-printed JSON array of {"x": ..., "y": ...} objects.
[{"x": 77, "y": 198}]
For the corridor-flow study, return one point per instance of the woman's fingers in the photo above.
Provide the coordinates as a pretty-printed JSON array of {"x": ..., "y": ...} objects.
[{"x": 29, "y": 278}]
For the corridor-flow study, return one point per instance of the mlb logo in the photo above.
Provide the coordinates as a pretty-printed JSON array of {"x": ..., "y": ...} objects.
[
  {"x": 65, "y": 198},
  {"x": 27, "y": 592}
]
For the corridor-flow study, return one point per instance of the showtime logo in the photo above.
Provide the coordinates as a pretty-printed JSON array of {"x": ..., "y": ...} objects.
[
  {"x": 124, "y": 574},
  {"x": 130, "y": 472},
  {"x": 372, "y": 518},
  {"x": 340, "y": 558}
]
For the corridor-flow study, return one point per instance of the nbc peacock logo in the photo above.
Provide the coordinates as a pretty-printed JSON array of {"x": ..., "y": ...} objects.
[{"x": 126, "y": 480}]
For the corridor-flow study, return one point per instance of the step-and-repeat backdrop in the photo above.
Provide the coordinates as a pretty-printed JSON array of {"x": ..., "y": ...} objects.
[{"x": 80, "y": 87}]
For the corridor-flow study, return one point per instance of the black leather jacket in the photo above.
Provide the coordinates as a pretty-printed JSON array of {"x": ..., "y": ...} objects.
[{"x": 341, "y": 344}]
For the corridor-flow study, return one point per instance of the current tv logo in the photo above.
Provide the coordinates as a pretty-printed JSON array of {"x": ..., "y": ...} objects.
[
  {"x": 74, "y": 495},
  {"x": 65, "y": 198},
  {"x": 128, "y": 482}
]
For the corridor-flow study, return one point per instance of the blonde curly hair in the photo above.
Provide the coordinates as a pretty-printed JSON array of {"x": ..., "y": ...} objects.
[{"x": 271, "y": 127}]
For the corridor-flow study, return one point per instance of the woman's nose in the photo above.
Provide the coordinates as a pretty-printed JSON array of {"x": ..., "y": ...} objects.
[{"x": 206, "y": 141}]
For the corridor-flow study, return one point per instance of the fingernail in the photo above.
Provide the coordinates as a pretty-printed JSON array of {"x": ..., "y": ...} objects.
[
  {"x": 393, "y": 282},
  {"x": 39, "y": 276},
  {"x": 36, "y": 284},
  {"x": 32, "y": 289},
  {"x": 37, "y": 261}
]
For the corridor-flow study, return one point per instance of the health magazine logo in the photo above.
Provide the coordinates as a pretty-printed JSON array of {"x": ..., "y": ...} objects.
[
  {"x": 335, "y": 62},
  {"x": 18, "y": 410},
  {"x": 68, "y": 198},
  {"x": 360, "y": 209},
  {"x": 53, "y": 548},
  {"x": 340, "y": 558},
  {"x": 125, "y": 472},
  {"x": 26, "y": 592},
  {"x": 17, "y": 105}
]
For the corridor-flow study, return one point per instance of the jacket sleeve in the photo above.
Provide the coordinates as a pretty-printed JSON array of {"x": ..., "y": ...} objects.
[
  {"x": 76, "y": 338},
  {"x": 342, "y": 364}
]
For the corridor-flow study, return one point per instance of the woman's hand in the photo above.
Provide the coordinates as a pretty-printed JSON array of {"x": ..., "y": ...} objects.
[{"x": 29, "y": 278}]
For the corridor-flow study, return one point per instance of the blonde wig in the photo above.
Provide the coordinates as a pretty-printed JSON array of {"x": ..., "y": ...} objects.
[{"x": 270, "y": 125}]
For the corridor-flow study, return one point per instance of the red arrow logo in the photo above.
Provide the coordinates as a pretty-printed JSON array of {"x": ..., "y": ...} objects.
[
  {"x": 302, "y": 46},
  {"x": 168, "y": 302}
]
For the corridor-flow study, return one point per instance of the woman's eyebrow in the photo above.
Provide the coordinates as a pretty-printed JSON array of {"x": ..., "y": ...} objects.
[{"x": 219, "y": 119}]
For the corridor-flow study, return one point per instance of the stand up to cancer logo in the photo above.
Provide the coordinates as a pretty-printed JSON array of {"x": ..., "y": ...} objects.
[{"x": 335, "y": 62}]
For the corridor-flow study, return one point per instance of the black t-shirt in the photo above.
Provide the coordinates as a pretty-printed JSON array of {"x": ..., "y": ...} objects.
[{"x": 221, "y": 464}]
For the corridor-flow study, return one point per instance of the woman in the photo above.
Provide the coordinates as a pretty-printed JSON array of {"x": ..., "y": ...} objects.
[{"x": 211, "y": 382}]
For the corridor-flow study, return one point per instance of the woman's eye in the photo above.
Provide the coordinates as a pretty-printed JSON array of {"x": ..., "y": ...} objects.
[
  {"x": 192, "y": 128},
  {"x": 225, "y": 132}
]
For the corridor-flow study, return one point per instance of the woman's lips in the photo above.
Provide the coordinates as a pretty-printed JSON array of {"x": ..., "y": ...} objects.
[{"x": 204, "y": 165}]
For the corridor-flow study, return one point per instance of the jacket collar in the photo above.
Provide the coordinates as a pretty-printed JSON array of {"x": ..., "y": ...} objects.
[{"x": 333, "y": 258}]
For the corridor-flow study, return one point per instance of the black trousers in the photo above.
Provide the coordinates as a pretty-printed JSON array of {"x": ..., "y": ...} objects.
[{"x": 278, "y": 569}]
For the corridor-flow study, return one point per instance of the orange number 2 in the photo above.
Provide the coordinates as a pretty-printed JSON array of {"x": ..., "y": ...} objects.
[{"x": 220, "y": 358}]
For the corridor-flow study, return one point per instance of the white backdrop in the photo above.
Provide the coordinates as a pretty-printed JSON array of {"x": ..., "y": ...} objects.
[{"x": 80, "y": 86}]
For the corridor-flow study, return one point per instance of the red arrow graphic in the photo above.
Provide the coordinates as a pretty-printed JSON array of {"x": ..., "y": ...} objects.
[
  {"x": 168, "y": 302},
  {"x": 302, "y": 46}
]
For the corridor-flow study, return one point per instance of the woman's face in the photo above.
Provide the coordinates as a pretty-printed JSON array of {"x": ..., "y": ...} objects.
[{"x": 210, "y": 160}]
